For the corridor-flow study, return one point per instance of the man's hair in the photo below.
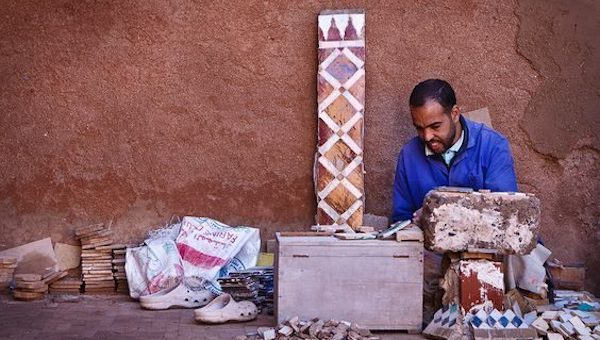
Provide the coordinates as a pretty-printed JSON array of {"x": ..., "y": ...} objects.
[{"x": 433, "y": 89}]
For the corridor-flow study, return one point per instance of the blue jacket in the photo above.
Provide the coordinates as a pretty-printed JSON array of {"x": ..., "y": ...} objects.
[{"x": 485, "y": 162}]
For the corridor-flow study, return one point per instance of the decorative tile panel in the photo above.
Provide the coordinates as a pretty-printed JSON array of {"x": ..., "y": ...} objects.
[{"x": 339, "y": 170}]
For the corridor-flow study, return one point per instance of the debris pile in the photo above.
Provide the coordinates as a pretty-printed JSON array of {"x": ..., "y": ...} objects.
[
  {"x": 7, "y": 270},
  {"x": 312, "y": 329},
  {"x": 566, "y": 323},
  {"x": 254, "y": 284},
  {"x": 96, "y": 258},
  {"x": 573, "y": 315}
]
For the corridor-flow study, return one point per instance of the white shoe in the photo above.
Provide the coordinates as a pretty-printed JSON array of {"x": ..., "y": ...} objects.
[
  {"x": 224, "y": 308},
  {"x": 178, "y": 297}
]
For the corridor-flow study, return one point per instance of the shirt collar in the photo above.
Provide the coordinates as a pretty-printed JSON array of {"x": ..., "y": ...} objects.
[{"x": 454, "y": 148}]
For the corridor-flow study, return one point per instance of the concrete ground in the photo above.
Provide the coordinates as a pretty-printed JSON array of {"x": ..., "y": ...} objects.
[{"x": 118, "y": 317}]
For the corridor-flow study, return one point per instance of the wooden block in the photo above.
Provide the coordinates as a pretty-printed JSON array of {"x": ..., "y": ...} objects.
[
  {"x": 28, "y": 277},
  {"x": 42, "y": 289},
  {"x": 490, "y": 256},
  {"x": 8, "y": 266},
  {"x": 94, "y": 245},
  {"x": 64, "y": 291},
  {"x": 355, "y": 236},
  {"x": 27, "y": 296},
  {"x": 112, "y": 247},
  {"x": 89, "y": 228},
  {"x": 327, "y": 228},
  {"x": 29, "y": 284},
  {"x": 55, "y": 277},
  {"x": 7, "y": 261},
  {"x": 305, "y": 233},
  {"x": 410, "y": 234},
  {"x": 568, "y": 277}
]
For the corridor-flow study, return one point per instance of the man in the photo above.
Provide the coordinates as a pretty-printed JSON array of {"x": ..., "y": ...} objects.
[{"x": 450, "y": 150}]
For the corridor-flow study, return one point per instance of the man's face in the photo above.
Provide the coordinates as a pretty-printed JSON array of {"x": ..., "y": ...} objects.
[{"x": 436, "y": 128}]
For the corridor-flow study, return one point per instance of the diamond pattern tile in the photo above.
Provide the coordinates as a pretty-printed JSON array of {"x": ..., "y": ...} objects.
[
  {"x": 497, "y": 320},
  {"x": 339, "y": 170}
]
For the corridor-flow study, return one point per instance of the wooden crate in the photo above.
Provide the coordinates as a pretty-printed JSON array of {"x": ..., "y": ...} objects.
[{"x": 378, "y": 284}]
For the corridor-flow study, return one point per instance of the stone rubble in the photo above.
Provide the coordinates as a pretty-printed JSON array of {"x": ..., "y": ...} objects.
[{"x": 295, "y": 329}]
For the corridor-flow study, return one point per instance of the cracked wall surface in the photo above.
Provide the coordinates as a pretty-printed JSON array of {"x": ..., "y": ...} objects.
[
  {"x": 561, "y": 124},
  {"x": 137, "y": 111}
]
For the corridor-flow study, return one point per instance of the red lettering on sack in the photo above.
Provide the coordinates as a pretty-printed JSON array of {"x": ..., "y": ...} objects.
[{"x": 197, "y": 258}]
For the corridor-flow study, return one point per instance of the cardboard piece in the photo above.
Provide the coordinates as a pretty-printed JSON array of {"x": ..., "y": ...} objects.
[
  {"x": 481, "y": 116},
  {"x": 68, "y": 256},
  {"x": 34, "y": 258}
]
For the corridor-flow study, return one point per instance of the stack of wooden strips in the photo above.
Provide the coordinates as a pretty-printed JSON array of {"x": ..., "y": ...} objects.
[
  {"x": 35, "y": 286},
  {"x": 96, "y": 258},
  {"x": 7, "y": 270},
  {"x": 118, "y": 263},
  {"x": 67, "y": 286}
]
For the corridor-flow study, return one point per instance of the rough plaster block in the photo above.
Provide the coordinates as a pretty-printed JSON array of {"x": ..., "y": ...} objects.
[
  {"x": 459, "y": 221},
  {"x": 339, "y": 168}
]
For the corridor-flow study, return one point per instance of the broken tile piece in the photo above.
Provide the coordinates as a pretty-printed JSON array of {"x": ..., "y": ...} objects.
[
  {"x": 564, "y": 317},
  {"x": 541, "y": 326},
  {"x": 549, "y": 315},
  {"x": 530, "y": 317},
  {"x": 554, "y": 336},
  {"x": 458, "y": 221},
  {"x": 269, "y": 334},
  {"x": 580, "y": 328},
  {"x": 568, "y": 329},
  {"x": 555, "y": 324},
  {"x": 481, "y": 281},
  {"x": 286, "y": 330}
]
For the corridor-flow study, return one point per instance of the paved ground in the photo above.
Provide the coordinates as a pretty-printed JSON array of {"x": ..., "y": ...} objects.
[{"x": 117, "y": 317}]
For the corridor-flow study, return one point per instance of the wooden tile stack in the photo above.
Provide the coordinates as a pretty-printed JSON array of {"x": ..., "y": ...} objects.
[
  {"x": 118, "y": 263},
  {"x": 69, "y": 286},
  {"x": 96, "y": 258},
  {"x": 7, "y": 269},
  {"x": 29, "y": 287}
]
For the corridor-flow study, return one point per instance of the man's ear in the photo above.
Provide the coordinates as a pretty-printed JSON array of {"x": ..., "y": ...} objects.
[{"x": 455, "y": 113}]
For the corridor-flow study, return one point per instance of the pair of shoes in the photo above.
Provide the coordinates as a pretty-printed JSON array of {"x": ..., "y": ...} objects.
[
  {"x": 224, "y": 308},
  {"x": 178, "y": 297}
]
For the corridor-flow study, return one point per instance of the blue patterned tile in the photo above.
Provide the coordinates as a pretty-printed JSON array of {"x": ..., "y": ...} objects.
[
  {"x": 503, "y": 321},
  {"x": 476, "y": 321},
  {"x": 517, "y": 321},
  {"x": 491, "y": 321}
]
